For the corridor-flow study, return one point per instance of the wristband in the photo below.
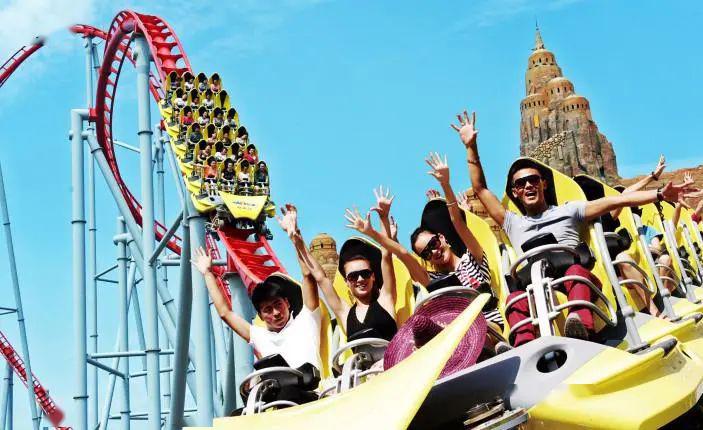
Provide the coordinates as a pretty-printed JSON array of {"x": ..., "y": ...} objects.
[
  {"x": 660, "y": 196},
  {"x": 655, "y": 177}
]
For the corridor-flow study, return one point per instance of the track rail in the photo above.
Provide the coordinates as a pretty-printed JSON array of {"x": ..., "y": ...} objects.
[
  {"x": 252, "y": 260},
  {"x": 44, "y": 401},
  {"x": 18, "y": 58}
]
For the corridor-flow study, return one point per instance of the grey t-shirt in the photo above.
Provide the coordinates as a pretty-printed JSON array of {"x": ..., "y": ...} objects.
[{"x": 564, "y": 222}]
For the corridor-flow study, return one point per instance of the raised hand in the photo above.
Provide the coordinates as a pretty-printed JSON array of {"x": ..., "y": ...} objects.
[
  {"x": 467, "y": 128},
  {"x": 661, "y": 165},
  {"x": 432, "y": 194},
  {"x": 440, "y": 169},
  {"x": 394, "y": 229},
  {"x": 672, "y": 193},
  {"x": 688, "y": 179},
  {"x": 462, "y": 200},
  {"x": 384, "y": 200},
  {"x": 201, "y": 260},
  {"x": 358, "y": 223},
  {"x": 289, "y": 220}
]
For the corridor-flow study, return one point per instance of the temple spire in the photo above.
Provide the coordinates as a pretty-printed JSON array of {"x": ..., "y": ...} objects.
[{"x": 539, "y": 44}]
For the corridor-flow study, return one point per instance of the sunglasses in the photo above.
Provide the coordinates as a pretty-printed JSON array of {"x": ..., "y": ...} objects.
[
  {"x": 433, "y": 244},
  {"x": 520, "y": 183},
  {"x": 363, "y": 274}
]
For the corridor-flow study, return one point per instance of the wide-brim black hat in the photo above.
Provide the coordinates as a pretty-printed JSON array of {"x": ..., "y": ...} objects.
[
  {"x": 435, "y": 218},
  {"x": 291, "y": 289},
  {"x": 550, "y": 194},
  {"x": 355, "y": 246}
]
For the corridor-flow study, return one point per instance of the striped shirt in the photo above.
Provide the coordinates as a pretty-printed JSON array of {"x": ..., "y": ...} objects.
[{"x": 476, "y": 276}]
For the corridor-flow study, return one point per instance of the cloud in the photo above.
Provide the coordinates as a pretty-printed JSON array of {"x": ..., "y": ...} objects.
[
  {"x": 249, "y": 24},
  {"x": 21, "y": 20}
]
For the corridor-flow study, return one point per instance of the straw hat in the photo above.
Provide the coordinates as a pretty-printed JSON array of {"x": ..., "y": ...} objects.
[{"x": 427, "y": 321}]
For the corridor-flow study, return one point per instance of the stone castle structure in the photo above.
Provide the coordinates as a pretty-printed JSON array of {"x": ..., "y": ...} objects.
[
  {"x": 324, "y": 249},
  {"x": 556, "y": 126}
]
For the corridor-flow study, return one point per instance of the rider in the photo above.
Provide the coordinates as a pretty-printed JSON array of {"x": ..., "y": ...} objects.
[
  {"x": 292, "y": 323},
  {"x": 528, "y": 189},
  {"x": 369, "y": 275}
]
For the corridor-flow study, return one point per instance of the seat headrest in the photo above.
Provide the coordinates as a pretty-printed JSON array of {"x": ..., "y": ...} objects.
[{"x": 274, "y": 360}]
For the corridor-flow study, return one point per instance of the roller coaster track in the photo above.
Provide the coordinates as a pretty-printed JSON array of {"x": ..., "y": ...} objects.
[
  {"x": 18, "y": 58},
  {"x": 252, "y": 259},
  {"x": 45, "y": 402}
]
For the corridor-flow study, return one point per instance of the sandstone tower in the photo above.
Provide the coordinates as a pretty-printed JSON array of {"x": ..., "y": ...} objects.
[
  {"x": 324, "y": 249},
  {"x": 556, "y": 126}
]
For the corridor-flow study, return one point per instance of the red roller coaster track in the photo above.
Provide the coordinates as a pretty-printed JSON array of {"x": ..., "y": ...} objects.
[{"x": 252, "y": 260}]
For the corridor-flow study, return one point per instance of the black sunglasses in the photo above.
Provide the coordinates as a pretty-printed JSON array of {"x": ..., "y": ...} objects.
[
  {"x": 433, "y": 244},
  {"x": 363, "y": 274},
  {"x": 520, "y": 183}
]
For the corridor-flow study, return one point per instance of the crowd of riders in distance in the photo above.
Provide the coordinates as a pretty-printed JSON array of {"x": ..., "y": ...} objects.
[
  {"x": 443, "y": 245},
  {"x": 218, "y": 147}
]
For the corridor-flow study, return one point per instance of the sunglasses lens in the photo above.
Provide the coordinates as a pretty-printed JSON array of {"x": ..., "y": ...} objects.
[
  {"x": 433, "y": 244},
  {"x": 363, "y": 274}
]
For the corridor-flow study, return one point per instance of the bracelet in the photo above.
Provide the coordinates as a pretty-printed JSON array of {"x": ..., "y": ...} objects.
[
  {"x": 476, "y": 161},
  {"x": 451, "y": 203},
  {"x": 660, "y": 196},
  {"x": 655, "y": 177}
]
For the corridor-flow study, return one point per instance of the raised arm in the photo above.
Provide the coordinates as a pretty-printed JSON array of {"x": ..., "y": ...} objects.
[
  {"x": 203, "y": 262},
  {"x": 311, "y": 279},
  {"x": 468, "y": 134},
  {"x": 440, "y": 171},
  {"x": 670, "y": 193},
  {"x": 363, "y": 226},
  {"x": 642, "y": 183},
  {"x": 387, "y": 293},
  {"x": 681, "y": 202}
]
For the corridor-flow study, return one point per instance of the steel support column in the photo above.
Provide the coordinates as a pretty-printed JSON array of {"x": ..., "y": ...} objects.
[
  {"x": 80, "y": 383},
  {"x": 201, "y": 327},
  {"x": 243, "y": 354},
  {"x": 162, "y": 270},
  {"x": 142, "y": 56},
  {"x": 122, "y": 262},
  {"x": 5, "y": 390},
  {"x": 182, "y": 344}
]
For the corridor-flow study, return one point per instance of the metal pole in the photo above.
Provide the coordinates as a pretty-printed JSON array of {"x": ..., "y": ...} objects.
[
  {"x": 163, "y": 270},
  {"x": 143, "y": 61},
  {"x": 122, "y": 261},
  {"x": 632, "y": 335},
  {"x": 663, "y": 291},
  {"x": 5, "y": 393},
  {"x": 243, "y": 354},
  {"x": 181, "y": 346},
  {"x": 201, "y": 327},
  {"x": 18, "y": 303},
  {"x": 92, "y": 252},
  {"x": 10, "y": 403},
  {"x": 670, "y": 237},
  {"x": 229, "y": 395},
  {"x": 79, "y": 287},
  {"x": 107, "y": 404}
]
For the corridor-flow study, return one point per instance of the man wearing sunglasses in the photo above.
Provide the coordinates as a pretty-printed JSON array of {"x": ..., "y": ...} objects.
[{"x": 530, "y": 190}]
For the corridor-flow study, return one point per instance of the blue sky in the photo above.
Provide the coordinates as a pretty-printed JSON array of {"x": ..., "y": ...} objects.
[{"x": 340, "y": 96}]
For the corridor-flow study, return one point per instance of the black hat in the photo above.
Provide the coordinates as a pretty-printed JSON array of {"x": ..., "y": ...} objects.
[
  {"x": 435, "y": 218},
  {"x": 288, "y": 288},
  {"x": 525, "y": 162},
  {"x": 355, "y": 246}
]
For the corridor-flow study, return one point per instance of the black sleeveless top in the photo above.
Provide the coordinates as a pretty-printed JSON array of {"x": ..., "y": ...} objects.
[{"x": 376, "y": 318}]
